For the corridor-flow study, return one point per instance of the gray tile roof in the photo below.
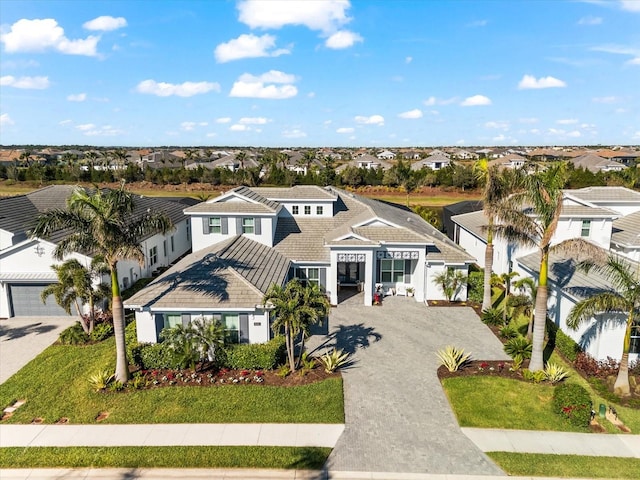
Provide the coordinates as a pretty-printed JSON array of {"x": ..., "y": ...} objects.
[
  {"x": 473, "y": 222},
  {"x": 232, "y": 274},
  {"x": 626, "y": 230},
  {"x": 389, "y": 234},
  {"x": 298, "y": 192},
  {"x": 605, "y": 194},
  {"x": 585, "y": 211},
  {"x": 258, "y": 204},
  {"x": 594, "y": 163}
]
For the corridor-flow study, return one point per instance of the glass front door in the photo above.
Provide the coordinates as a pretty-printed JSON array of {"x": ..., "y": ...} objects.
[{"x": 348, "y": 272}]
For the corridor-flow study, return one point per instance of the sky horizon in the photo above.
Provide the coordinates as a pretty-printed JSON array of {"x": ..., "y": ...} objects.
[{"x": 328, "y": 73}]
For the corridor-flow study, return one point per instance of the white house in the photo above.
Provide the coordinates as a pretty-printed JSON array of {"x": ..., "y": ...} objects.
[
  {"x": 386, "y": 155},
  {"x": 609, "y": 217},
  {"x": 25, "y": 263},
  {"x": 249, "y": 238},
  {"x": 435, "y": 161}
]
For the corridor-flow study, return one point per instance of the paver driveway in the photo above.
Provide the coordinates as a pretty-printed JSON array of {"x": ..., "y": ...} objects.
[
  {"x": 23, "y": 338},
  {"x": 398, "y": 418}
]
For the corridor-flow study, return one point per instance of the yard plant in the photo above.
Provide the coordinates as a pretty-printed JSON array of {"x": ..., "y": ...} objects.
[{"x": 453, "y": 358}]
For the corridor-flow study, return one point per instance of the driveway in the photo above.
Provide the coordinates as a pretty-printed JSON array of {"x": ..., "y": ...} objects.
[
  {"x": 23, "y": 338},
  {"x": 398, "y": 418}
]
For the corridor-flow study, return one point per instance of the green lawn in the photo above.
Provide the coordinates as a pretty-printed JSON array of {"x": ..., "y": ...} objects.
[
  {"x": 164, "y": 457},
  {"x": 55, "y": 385},
  {"x": 575, "y": 466}
]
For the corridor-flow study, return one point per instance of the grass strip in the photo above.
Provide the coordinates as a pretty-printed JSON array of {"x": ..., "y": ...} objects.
[
  {"x": 55, "y": 385},
  {"x": 164, "y": 457},
  {"x": 575, "y": 466}
]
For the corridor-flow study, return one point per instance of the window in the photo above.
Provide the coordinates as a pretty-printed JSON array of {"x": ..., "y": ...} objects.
[
  {"x": 172, "y": 319},
  {"x": 173, "y": 246},
  {"x": 295, "y": 210},
  {"x": 153, "y": 256},
  {"x": 164, "y": 248},
  {"x": 586, "y": 228},
  {"x": 319, "y": 210},
  {"x": 231, "y": 325},
  {"x": 248, "y": 225},
  {"x": 391, "y": 271},
  {"x": 188, "y": 232},
  {"x": 634, "y": 347},
  {"x": 308, "y": 275},
  {"x": 307, "y": 209},
  {"x": 215, "y": 225}
]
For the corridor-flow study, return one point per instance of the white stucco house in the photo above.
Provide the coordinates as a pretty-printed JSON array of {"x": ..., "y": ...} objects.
[
  {"x": 250, "y": 238},
  {"x": 608, "y": 217},
  {"x": 25, "y": 263}
]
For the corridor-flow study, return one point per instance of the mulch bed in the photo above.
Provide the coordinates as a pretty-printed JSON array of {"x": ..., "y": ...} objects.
[
  {"x": 484, "y": 368},
  {"x": 159, "y": 378},
  {"x": 444, "y": 303}
]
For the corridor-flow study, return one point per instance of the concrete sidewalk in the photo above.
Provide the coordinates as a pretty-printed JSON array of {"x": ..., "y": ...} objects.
[
  {"x": 228, "y": 474},
  {"x": 181, "y": 434},
  {"x": 559, "y": 443}
]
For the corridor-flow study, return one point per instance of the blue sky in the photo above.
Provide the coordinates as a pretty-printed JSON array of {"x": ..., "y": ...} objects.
[{"x": 320, "y": 73}]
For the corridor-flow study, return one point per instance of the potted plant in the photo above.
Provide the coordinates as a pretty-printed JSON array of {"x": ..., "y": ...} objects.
[{"x": 410, "y": 291}]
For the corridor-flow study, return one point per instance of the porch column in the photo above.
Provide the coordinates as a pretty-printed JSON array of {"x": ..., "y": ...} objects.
[
  {"x": 332, "y": 279},
  {"x": 369, "y": 277}
]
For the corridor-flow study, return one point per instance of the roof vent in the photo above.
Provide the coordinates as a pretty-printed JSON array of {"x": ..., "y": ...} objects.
[{"x": 408, "y": 219}]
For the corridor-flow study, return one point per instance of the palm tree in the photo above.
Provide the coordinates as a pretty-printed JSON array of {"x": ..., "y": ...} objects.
[
  {"x": 624, "y": 297},
  {"x": 527, "y": 287},
  {"x": 75, "y": 285},
  {"x": 497, "y": 187},
  {"x": 315, "y": 307},
  {"x": 103, "y": 223},
  {"x": 451, "y": 282},
  {"x": 530, "y": 218}
]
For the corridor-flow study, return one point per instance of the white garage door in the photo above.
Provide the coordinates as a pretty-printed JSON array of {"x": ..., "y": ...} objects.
[{"x": 25, "y": 301}]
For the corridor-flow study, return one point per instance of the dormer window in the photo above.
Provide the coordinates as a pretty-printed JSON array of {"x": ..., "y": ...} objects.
[
  {"x": 586, "y": 228},
  {"x": 295, "y": 210},
  {"x": 215, "y": 225},
  {"x": 248, "y": 225},
  {"x": 307, "y": 209},
  {"x": 319, "y": 210}
]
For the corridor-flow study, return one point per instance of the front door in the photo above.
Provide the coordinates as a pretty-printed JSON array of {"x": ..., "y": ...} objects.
[{"x": 348, "y": 272}]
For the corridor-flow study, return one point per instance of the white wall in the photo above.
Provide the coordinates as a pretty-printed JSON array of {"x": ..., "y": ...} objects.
[
  {"x": 6, "y": 239},
  {"x": 201, "y": 240},
  {"x": 327, "y": 208},
  {"x": 433, "y": 290},
  {"x": 600, "y": 231}
]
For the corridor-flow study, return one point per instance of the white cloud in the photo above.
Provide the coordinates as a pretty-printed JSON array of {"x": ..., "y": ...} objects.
[
  {"x": 590, "y": 20},
  {"x": 212, "y": 134},
  {"x": 372, "y": 120},
  {"x": 105, "y": 23},
  {"x": 187, "y": 126},
  {"x": 293, "y": 133},
  {"x": 186, "y": 89},
  {"x": 342, "y": 39},
  {"x": 85, "y": 127},
  {"x": 5, "y": 120},
  {"x": 40, "y": 35},
  {"x": 475, "y": 101},
  {"x": 478, "y": 23},
  {"x": 630, "y": 5},
  {"x": 606, "y": 100},
  {"x": 633, "y": 61},
  {"x": 345, "y": 130},
  {"x": 430, "y": 101},
  {"x": 528, "y": 120},
  {"x": 248, "y": 46},
  {"x": 636, "y": 136},
  {"x": 253, "y": 120},
  {"x": 77, "y": 97},
  {"x": 408, "y": 60},
  {"x": 311, "y": 94},
  {"x": 239, "y": 128},
  {"x": 325, "y": 16},
  {"x": 28, "y": 83},
  {"x": 531, "y": 82},
  {"x": 499, "y": 138},
  {"x": 567, "y": 121},
  {"x": 90, "y": 130},
  {"x": 498, "y": 125},
  {"x": 223, "y": 120},
  {"x": 251, "y": 86},
  {"x": 411, "y": 114},
  {"x": 574, "y": 134}
]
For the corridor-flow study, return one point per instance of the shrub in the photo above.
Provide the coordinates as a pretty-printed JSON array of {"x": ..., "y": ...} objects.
[
  {"x": 535, "y": 377},
  {"x": 554, "y": 373},
  {"x": 594, "y": 368},
  {"x": 567, "y": 346},
  {"x": 508, "y": 331},
  {"x": 475, "y": 286},
  {"x": 154, "y": 355},
  {"x": 73, "y": 335},
  {"x": 493, "y": 316},
  {"x": 101, "y": 332},
  {"x": 100, "y": 380},
  {"x": 334, "y": 360},
  {"x": 573, "y": 402},
  {"x": 518, "y": 347},
  {"x": 453, "y": 358},
  {"x": 260, "y": 356}
]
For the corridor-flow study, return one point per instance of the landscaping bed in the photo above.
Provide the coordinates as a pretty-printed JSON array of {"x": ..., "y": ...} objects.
[{"x": 485, "y": 368}]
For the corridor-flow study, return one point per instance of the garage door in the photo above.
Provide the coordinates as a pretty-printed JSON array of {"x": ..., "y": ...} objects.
[{"x": 25, "y": 301}]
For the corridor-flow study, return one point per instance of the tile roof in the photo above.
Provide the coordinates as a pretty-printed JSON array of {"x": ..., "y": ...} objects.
[
  {"x": 235, "y": 273},
  {"x": 257, "y": 203},
  {"x": 472, "y": 222},
  {"x": 593, "y": 162},
  {"x": 605, "y": 194},
  {"x": 586, "y": 211},
  {"x": 626, "y": 230},
  {"x": 298, "y": 192}
]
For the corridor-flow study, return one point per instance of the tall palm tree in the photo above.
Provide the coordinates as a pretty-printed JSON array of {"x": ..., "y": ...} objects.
[
  {"x": 531, "y": 218},
  {"x": 103, "y": 223},
  {"x": 527, "y": 287},
  {"x": 623, "y": 298},
  {"x": 497, "y": 187},
  {"x": 75, "y": 285},
  {"x": 315, "y": 307}
]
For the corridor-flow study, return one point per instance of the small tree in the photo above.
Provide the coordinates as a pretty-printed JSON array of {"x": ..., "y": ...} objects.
[{"x": 451, "y": 281}]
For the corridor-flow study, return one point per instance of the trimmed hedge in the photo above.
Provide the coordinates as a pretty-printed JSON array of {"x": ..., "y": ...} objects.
[
  {"x": 154, "y": 355},
  {"x": 475, "y": 286},
  {"x": 563, "y": 343},
  {"x": 573, "y": 402},
  {"x": 262, "y": 356}
]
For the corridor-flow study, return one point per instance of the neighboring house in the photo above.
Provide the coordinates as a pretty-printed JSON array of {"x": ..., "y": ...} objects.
[
  {"x": 450, "y": 211},
  {"x": 249, "y": 238},
  {"x": 595, "y": 163},
  {"x": 386, "y": 155},
  {"x": 365, "y": 161},
  {"x": 625, "y": 157},
  {"x": 160, "y": 159},
  {"x": 25, "y": 263},
  {"x": 511, "y": 161},
  {"x": 609, "y": 217},
  {"x": 464, "y": 154},
  {"x": 435, "y": 161}
]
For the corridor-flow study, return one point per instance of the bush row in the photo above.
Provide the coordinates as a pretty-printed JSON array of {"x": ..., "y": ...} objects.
[{"x": 573, "y": 402}]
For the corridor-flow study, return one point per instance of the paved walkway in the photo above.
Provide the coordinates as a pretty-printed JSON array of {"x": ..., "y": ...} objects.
[
  {"x": 23, "y": 338},
  {"x": 559, "y": 443},
  {"x": 239, "y": 434},
  {"x": 397, "y": 416}
]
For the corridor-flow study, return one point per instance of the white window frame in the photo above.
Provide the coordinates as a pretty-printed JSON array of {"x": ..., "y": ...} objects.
[
  {"x": 308, "y": 275},
  {"x": 231, "y": 324},
  {"x": 319, "y": 210},
  {"x": 394, "y": 268},
  {"x": 153, "y": 256},
  {"x": 215, "y": 225},
  {"x": 585, "y": 230},
  {"x": 307, "y": 209},
  {"x": 295, "y": 210}
]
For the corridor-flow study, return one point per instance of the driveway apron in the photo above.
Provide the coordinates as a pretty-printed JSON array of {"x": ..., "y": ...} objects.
[
  {"x": 397, "y": 416},
  {"x": 23, "y": 338}
]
